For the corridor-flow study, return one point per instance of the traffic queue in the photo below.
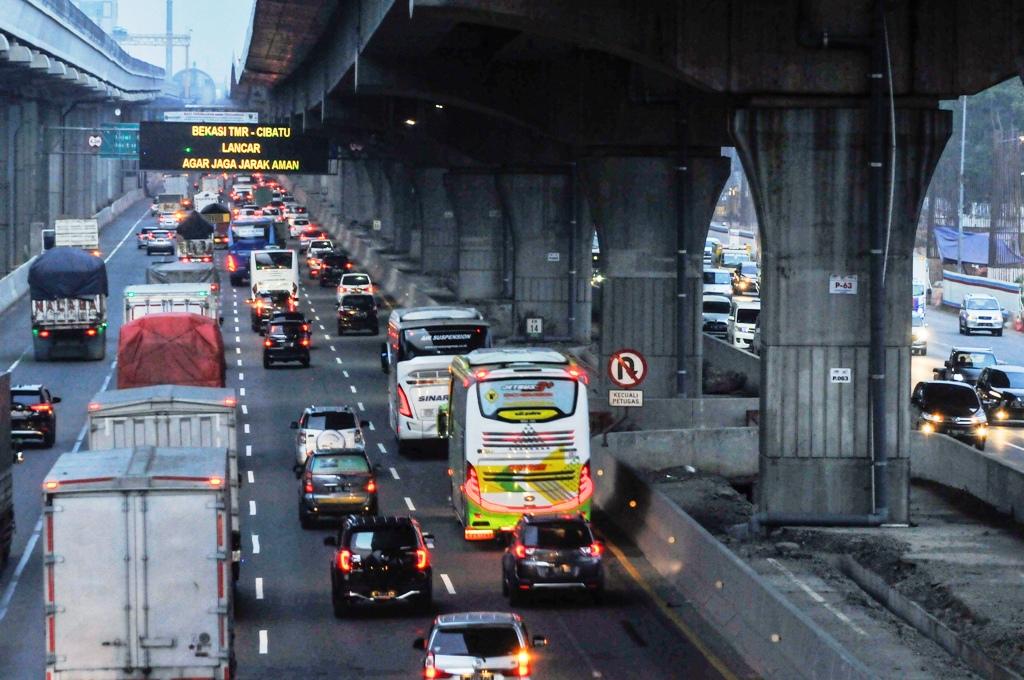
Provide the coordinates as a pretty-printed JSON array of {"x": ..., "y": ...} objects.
[{"x": 163, "y": 447}]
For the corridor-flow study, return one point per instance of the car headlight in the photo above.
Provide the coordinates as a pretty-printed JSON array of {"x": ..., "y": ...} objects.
[
  {"x": 1001, "y": 414},
  {"x": 958, "y": 376},
  {"x": 932, "y": 417},
  {"x": 921, "y": 334}
]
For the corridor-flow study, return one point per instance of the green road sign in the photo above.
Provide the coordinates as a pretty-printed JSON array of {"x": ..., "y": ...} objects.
[{"x": 120, "y": 140}]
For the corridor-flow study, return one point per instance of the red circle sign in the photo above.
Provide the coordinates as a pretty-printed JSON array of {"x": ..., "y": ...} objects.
[{"x": 627, "y": 368}]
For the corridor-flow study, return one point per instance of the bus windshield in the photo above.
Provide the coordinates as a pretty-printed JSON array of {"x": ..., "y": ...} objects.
[
  {"x": 442, "y": 341},
  {"x": 282, "y": 259},
  {"x": 509, "y": 398}
]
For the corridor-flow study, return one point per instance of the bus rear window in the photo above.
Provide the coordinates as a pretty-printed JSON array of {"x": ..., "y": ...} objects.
[
  {"x": 442, "y": 341},
  {"x": 282, "y": 259},
  {"x": 525, "y": 399}
]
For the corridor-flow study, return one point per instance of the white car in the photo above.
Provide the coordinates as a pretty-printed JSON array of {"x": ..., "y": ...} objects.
[
  {"x": 295, "y": 209},
  {"x": 297, "y": 225},
  {"x": 742, "y": 320},
  {"x": 715, "y": 313},
  {"x": 318, "y": 419},
  {"x": 354, "y": 283},
  {"x": 479, "y": 645},
  {"x": 168, "y": 220},
  {"x": 980, "y": 312},
  {"x": 718, "y": 282}
]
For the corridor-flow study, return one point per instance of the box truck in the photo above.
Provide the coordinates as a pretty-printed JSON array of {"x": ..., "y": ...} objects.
[
  {"x": 171, "y": 416},
  {"x": 162, "y": 298},
  {"x": 170, "y": 349},
  {"x": 68, "y": 292},
  {"x": 136, "y": 565}
]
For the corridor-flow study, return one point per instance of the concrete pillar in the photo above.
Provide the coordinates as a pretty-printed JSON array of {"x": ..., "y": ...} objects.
[
  {"x": 551, "y": 258},
  {"x": 404, "y": 207},
  {"x": 632, "y": 201},
  {"x": 440, "y": 235},
  {"x": 706, "y": 176},
  {"x": 358, "y": 197},
  {"x": 482, "y": 234},
  {"x": 809, "y": 175}
]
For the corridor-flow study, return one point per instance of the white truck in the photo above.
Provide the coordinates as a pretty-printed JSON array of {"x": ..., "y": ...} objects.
[
  {"x": 204, "y": 199},
  {"x": 172, "y": 416},
  {"x": 82, "y": 234},
  {"x": 211, "y": 185},
  {"x": 136, "y": 565},
  {"x": 162, "y": 298}
]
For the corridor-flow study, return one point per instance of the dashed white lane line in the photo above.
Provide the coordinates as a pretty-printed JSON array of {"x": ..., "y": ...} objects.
[
  {"x": 241, "y": 391},
  {"x": 236, "y": 327},
  {"x": 252, "y": 479},
  {"x": 238, "y": 350},
  {"x": 241, "y": 376},
  {"x": 448, "y": 584},
  {"x": 332, "y": 349},
  {"x": 337, "y": 359},
  {"x": 382, "y": 448},
  {"x": 29, "y": 547},
  {"x": 246, "y": 428},
  {"x": 245, "y": 410},
  {"x": 236, "y": 319},
  {"x": 371, "y": 426},
  {"x": 252, "y": 508},
  {"x": 317, "y": 318},
  {"x": 813, "y": 594},
  {"x": 326, "y": 336},
  {"x": 408, "y": 504},
  {"x": 248, "y": 449},
  {"x": 239, "y": 362},
  {"x": 321, "y": 326},
  {"x": 353, "y": 388},
  {"x": 360, "y": 405},
  {"x": 263, "y": 642},
  {"x": 345, "y": 373},
  {"x": 394, "y": 473},
  {"x": 259, "y": 588},
  {"x": 255, "y": 544},
  {"x": 238, "y": 338}
]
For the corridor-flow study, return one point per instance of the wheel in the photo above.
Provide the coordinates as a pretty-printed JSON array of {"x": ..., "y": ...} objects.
[
  {"x": 266, "y": 362},
  {"x": 425, "y": 602},
  {"x": 340, "y": 608},
  {"x": 341, "y": 331},
  {"x": 50, "y": 437},
  {"x": 999, "y": 333},
  {"x": 960, "y": 327},
  {"x": 305, "y": 362},
  {"x": 504, "y": 585},
  {"x": 305, "y": 520},
  {"x": 980, "y": 444}
]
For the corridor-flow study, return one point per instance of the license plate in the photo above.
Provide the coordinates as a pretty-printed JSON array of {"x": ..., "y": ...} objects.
[{"x": 382, "y": 594}]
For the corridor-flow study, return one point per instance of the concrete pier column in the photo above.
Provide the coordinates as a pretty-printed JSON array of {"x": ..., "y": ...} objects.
[
  {"x": 632, "y": 201},
  {"x": 809, "y": 171},
  {"x": 404, "y": 207},
  {"x": 440, "y": 234},
  {"x": 551, "y": 259},
  {"x": 482, "y": 235},
  {"x": 358, "y": 201}
]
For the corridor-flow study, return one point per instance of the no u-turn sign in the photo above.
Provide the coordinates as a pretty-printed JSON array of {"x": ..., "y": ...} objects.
[{"x": 627, "y": 368}]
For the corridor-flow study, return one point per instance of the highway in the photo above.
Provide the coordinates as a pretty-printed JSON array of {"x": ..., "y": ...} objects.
[
  {"x": 1004, "y": 441},
  {"x": 284, "y": 624}
]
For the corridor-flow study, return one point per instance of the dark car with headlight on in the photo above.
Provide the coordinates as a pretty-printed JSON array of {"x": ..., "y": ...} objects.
[
  {"x": 552, "y": 553},
  {"x": 1001, "y": 390},
  {"x": 357, "y": 313},
  {"x": 948, "y": 407}
]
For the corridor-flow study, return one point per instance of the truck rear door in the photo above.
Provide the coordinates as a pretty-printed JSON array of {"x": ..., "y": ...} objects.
[{"x": 89, "y": 577}]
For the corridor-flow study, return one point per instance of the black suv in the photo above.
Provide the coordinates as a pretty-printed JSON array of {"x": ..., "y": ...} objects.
[
  {"x": 357, "y": 312},
  {"x": 265, "y": 304},
  {"x": 334, "y": 483},
  {"x": 1001, "y": 390},
  {"x": 964, "y": 364},
  {"x": 380, "y": 560},
  {"x": 552, "y": 552},
  {"x": 286, "y": 341},
  {"x": 32, "y": 416},
  {"x": 949, "y": 407},
  {"x": 332, "y": 266}
]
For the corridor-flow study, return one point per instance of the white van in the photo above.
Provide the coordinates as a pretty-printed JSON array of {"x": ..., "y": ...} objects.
[
  {"x": 718, "y": 282},
  {"x": 271, "y": 270},
  {"x": 742, "y": 319}
]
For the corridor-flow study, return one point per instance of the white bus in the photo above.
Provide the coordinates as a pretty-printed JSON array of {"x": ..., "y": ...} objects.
[
  {"x": 518, "y": 430},
  {"x": 274, "y": 270},
  {"x": 420, "y": 346}
]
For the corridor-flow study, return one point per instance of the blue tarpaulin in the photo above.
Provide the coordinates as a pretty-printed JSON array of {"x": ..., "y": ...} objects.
[{"x": 975, "y": 248}]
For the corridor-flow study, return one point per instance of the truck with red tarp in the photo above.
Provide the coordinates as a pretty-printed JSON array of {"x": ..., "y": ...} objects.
[{"x": 170, "y": 349}]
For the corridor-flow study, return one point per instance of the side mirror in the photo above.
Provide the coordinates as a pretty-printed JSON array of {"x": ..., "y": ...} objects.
[
  {"x": 297, "y": 469},
  {"x": 364, "y": 423},
  {"x": 55, "y": 400},
  {"x": 384, "y": 364},
  {"x": 442, "y": 422},
  {"x": 947, "y": 364},
  {"x": 428, "y": 538},
  {"x": 419, "y": 643},
  {"x": 294, "y": 425},
  {"x": 220, "y": 321},
  {"x": 377, "y": 467},
  {"x": 19, "y": 457},
  {"x": 331, "y": 541},
  {"x": 540, "y": 641}
]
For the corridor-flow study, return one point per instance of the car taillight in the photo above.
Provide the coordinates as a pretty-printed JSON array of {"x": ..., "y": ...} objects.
[
  {"x": 308, "y": 483},
  {"x": 523, "y": 663},
  {"x": 371, "y": 486},
  {"x": 422, "y": 558},
  {"x": 430, "y": 671},
  {"x": 521, "y": 551},
  {"x": 90, "y": 332},
  {"x": 403, "y": 403},
  {"x": 231, "y": 263},
  {"x": 42, "y": 408},
  {"x": 268, "y": 343},
  {"x": 304, "y": 342},
  {"x": 348, "y": 265},
  {"x": 305, "y": 328},
  {"x": 472, "y": 485},
  {"x": 44, "y": 334},
  {"x": 594, "y": 549},
  {"x": 345, "y": 560}
]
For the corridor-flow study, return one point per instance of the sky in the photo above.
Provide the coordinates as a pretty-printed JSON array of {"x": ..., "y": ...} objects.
[{"x": 218, "y": 28}]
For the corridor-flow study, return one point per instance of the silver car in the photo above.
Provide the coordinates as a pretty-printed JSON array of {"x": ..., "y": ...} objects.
[
  {"x": 317, "y": 419},
  {"x": 492, "y": 645}
]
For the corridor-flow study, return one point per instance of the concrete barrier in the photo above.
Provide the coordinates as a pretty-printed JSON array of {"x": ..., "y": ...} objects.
[
  {"x": 946, "y": 461},
  {"x": 723, "y": 356},
  {"x": 772, "y": 636},
  {"x": 731, "y": 452}
]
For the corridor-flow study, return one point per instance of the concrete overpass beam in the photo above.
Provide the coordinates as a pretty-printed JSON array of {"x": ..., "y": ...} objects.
[
  {"x": 440, "y": 234},
  {"x": 809, "y": 170},
  {"x": 482, "y": 239}
]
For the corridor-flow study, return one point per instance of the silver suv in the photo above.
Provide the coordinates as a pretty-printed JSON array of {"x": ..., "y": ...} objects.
[
  {"x": 479, "y": 645},
  {"x": 317, "y": 419},
  {"x": 980, "y": 312}
]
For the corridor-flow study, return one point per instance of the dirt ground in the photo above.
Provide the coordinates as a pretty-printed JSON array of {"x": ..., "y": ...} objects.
[{"x": 960, "y": 561}]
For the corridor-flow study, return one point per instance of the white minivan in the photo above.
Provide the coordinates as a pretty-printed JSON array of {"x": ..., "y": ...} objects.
[
  {"x": 742, "y": 319},
  {"x": 718, "y": 282}
]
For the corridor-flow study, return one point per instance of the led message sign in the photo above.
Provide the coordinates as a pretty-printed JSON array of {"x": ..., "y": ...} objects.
[{"x": 229, "y": 147}]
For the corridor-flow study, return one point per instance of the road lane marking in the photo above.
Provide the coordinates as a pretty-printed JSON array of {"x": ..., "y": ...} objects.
[
  {"x": 125, "y": 237},
  {"x": 81, "y": 437},
  {"x": 394, "y": 473},
  {"x": 241, "y": 391},
  {"x": 239, "y": 362},
  {"x": 813, "y": 594},
  {"x": 23, "y": 353},
  {"x": 326, "y": 337},
  {"x": 236, "y": 319},
  {"x": 252, "y": 479},
  {"x": 248, "y": 449},
  {"x": 246, "y": 428},
  {"x": 360, "y": 405},
  {"x": 321, "y": 326},
  {"x": 408, "y": 504},
  {"x": 332, "y": 349},
  {"x": 337, "y": 359},
  {"x": 252, "y": 508},
  {"x": 353, "y": 388},
  {"x": 255, "y": 544},
  {"x": 29, "y": 547},
  {"x": 448, "y": 584},
  {"x": 263, "y": 642},
  {"x": 371, "y": 426},
  {"x": 238, "y": 350},
  {"x": 317, "y": 318},
  {"x": 259, "y": 588},
  {"x": 245, "y": 410},
  {"x": 382, "y": 448},
  {"x": 241, "y": 376},
  {"x": 236, "y": 327},
  {"x": 345, "y": 373},
  {"x": 1019, "y": 448}
]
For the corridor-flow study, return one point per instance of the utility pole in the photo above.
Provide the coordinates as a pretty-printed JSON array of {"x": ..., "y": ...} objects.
[
  {"x": 960, "y": 181},
  {"x": 170, "y": 37}
]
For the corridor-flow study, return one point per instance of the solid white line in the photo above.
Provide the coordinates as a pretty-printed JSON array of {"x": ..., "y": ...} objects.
[
  {"x": 332, "y": 349},
  {"x": 381, "y": 447},
  {"x": 816, "y": 597},
  {"x": 394, "y": 473},
  {"x": 81, "y": 437},
  {"x": 245, "y": 410},
  {"x": 246, "y": 428},
  {"x": 263, "y": 642},
  {"x": 255, "y": 544},
  {"x": 248, "y": 449},
  {"x": 252, "y": 508},
  {"x": 448, "y": 584},
  {"x": 29, "y": 547},
  {"x": 241, "y": 376},
  {"x": 353, "y": 388},
  {"x": 345, "y": 373},
  {"x": 259, "y": 588},
  {"x": 252, "y": 480},
  {"x": 125, "y": 237},
  {"x": 1019, "y": 448},
  {"x": 408, "y": 504},
  {"x": 18, "y": 360},
  {"x": 241, "y": 391}
]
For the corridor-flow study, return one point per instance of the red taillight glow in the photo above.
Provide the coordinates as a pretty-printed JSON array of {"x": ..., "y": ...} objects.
[
  {"x": 42, "y": 408},
  {"x": 422, "y": 558},
  {"x": 230, "y": 401},
  {"x": 481, "y": 374},
  {"x": 523, "y": 663},
  {"x": 403, "y": 403},
  {"x": 344, "y": 560},
  {"x": 44, "y": 334},
  {"x": 231, "y": 263},
  {"x": 93, "y": 406},
  {"x": 578, "y": 374},
  {"x": 268, "y": 343},
  {"x": 215, "y": 481},
  {"x": 90, "y": 332},
  {"x": 519, "y": 550},
  {"x": 371, "y": 486},
  {"x": 348, "y": 265},
  {"x": 50, "y": 486},
  {"x": 304, "y": 342},
  {"x": 596, "y": 549}
]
